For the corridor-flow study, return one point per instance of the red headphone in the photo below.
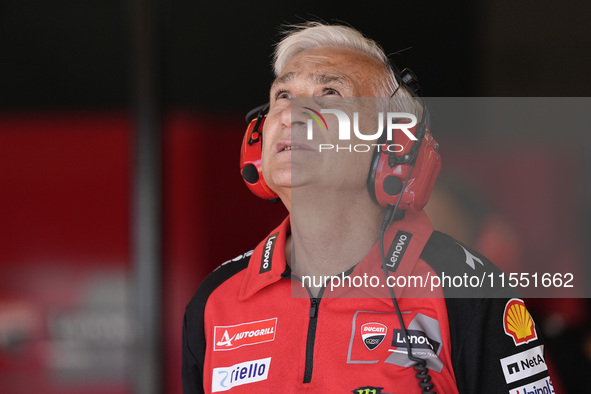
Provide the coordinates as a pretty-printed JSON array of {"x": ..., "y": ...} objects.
[
  {"x": 250, "y": 156},
  {"x": 415, "y": 168}
]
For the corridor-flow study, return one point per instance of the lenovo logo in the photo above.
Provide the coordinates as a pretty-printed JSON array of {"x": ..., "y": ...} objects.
[
  {"x": 267, "y": 257},
  {"x": 397, "y": 249},
  {"x": 417, "y": 338}
]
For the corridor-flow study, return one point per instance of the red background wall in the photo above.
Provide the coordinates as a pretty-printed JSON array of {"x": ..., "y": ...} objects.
[{"x": 65, "y": 232}]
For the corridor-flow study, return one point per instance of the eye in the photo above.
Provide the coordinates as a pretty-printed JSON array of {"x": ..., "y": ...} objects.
[
  {"x": 330, "y": 92},
  {"x": 282, "y": 94}
]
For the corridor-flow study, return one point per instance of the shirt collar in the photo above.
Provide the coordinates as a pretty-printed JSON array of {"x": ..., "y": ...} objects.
[
  {"x": 267, "y": 262},
  {"x": 404, "y": 242}
]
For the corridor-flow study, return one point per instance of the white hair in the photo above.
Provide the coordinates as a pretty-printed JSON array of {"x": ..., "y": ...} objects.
[{"x": 298, "y": 38}]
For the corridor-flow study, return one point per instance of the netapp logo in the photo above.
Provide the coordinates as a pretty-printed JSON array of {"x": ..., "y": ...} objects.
[
  {"x": 397, "y": 249},
  {"x": 524, "y": 364},
  {"x": 225, "y": 378},
  {"x": 267, "y": 257}
]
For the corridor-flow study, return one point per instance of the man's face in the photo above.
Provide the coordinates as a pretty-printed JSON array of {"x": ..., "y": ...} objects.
[{"x": 316, "y": 77}]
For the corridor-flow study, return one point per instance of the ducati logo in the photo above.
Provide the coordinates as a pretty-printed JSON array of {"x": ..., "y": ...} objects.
[{"x": 373, "y": 334}]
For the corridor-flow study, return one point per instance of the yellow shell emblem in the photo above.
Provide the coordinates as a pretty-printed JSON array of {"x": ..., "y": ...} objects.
[{"x": 518, "y": 323}]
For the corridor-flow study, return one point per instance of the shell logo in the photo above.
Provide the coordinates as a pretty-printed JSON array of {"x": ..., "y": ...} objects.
[{"x": 517, "y": 322}]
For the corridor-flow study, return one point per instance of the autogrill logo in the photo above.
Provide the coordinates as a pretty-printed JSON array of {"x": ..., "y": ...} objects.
[
  {"x": 397, "y": 249},
  {"x": 227, "y": 341},
  {"x": 233, "y": 337},
  {"x": 267, "y": 257}
]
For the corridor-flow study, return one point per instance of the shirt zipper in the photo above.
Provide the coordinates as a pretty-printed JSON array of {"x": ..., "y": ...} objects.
[
  {"x": 311, "y": 338},
  {"x": 313, "y": 322},
  {"x": 314, "y": 303}
]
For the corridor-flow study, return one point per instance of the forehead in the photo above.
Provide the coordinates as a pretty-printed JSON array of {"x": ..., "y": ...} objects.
[{"x": 333, "y": 64}]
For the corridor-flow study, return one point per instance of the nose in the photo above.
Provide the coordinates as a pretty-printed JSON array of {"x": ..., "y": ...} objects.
[{"x": 285, "y": 115}]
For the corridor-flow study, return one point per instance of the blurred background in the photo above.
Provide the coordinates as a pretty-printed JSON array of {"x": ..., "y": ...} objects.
[{"x": 120, "y": 130}]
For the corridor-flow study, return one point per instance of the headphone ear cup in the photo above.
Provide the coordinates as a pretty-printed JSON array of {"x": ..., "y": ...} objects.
[
  {"x": 250, "y": 160},
  {"x": 382, "y": 183},
  {"x": 385, "y": 183}
]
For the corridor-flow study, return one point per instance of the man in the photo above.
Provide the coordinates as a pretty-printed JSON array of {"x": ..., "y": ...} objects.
[{"x": 263, "y": 323}]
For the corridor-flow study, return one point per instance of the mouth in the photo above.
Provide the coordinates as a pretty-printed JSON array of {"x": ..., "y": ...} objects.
[{"x": 286, "y": 147}]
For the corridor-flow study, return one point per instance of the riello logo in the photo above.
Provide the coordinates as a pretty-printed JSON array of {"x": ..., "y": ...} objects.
[
  {"x": 225, "y": 378},
  {"x": 393, "y": 121}
]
